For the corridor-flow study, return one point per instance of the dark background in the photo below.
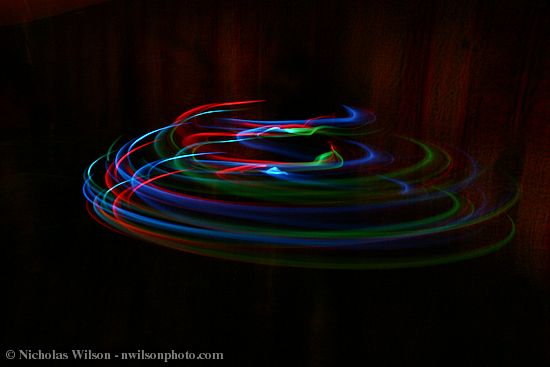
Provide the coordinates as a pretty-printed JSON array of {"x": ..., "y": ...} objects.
[{"x": 474, "y": 74}]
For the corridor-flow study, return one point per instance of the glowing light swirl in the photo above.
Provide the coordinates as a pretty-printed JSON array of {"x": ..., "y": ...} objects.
[{"x": 324, "y": 192}]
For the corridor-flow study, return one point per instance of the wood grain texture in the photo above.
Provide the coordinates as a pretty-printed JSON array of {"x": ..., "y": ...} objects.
[{"x": 472, "y": 74}]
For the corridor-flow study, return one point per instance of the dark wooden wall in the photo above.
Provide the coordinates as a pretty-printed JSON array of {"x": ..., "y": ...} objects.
[{"x": 472, "y": 73}]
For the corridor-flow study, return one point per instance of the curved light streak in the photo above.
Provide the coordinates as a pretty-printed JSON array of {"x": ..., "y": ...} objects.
[{"x": 326, "y": 192}]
